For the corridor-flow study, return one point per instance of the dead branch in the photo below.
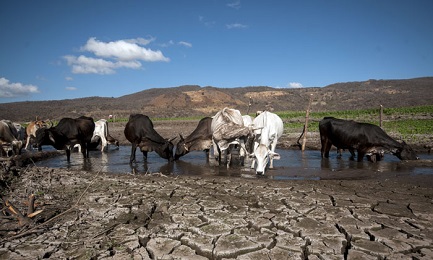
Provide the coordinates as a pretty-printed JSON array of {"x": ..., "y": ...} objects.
[
  {"x": 31, "y": 207},
  {"x": 23, "y": 220}
]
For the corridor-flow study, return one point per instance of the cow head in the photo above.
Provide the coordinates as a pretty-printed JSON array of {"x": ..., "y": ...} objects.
[
  {"x": 166, "y": 150},
  {"x": 406, "y": 152},
  {"x": 181, "y": 148},
  {"x": 262, "y": 154},
  {"x": 44, "y": 136},
  {"x": 50, "y": 136}
]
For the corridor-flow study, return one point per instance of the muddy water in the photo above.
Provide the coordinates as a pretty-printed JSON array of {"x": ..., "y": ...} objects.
[{"x": 293, "y": 165}]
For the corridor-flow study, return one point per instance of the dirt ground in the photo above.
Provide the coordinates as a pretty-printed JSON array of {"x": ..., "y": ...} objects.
[{"x": 92, "y": 215}]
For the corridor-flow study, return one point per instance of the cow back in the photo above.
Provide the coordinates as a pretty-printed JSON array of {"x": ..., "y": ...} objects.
[
  {"x": 202, "y": 131},
  {"x": 227, "y": 116},
  {"x": 140, "y": 127},
  {"x": 268, "y": 124}
]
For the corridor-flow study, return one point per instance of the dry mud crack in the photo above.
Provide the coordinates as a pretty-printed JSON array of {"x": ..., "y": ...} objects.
[{"x": 159, "y": 217}]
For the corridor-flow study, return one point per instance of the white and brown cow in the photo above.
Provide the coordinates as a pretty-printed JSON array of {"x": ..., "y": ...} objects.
[{"x": 31, "y": 129}]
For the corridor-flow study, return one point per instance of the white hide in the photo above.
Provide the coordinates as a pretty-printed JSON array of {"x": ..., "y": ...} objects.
[
  {"x": 227, "y": 127},
  {"x": 265, "y": 140}
]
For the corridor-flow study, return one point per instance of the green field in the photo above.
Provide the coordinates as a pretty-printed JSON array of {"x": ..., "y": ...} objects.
[{"x": 405, "y": 122}]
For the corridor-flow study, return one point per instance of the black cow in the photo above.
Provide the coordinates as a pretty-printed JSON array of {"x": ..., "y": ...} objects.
[
  {"x": 139, "y": 131},
  {"x": 199, "y": 140},
  {"x": 67, "y": 133},
  {"x": 367, "y": 139}
]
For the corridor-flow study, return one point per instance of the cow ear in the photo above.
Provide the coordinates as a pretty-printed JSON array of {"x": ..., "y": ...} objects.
[
  {"x": 275, "y": 156},
  {"x": 252, "y": 155}
]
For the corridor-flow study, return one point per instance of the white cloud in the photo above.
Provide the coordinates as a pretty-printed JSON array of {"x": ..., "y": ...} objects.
[
  {"x": 9, "y": 90},
  {"x": 235, "y": 4},
  {"x": 88, "y": 65},
  {"x": 295, "y": 85},
  {"x": 236, "y": 26},
  {"x": 71, "y": 88},
  {"x": 106, "y": 57},
  {"x": 186, "y": 44},
  {"x": 122, "y": 50},
  {"x": 69, "y": 78}
]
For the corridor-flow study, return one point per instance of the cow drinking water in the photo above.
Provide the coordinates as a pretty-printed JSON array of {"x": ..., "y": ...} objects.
[
  {"x": 200, "y": 139},
  {"x": 270, "y": 129},
  {"x": 140, "y": 132},
  {"x": 366, "y": 139}
]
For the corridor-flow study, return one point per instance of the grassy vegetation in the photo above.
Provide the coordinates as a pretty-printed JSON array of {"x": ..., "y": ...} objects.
[{"x": 405, "y": 122}]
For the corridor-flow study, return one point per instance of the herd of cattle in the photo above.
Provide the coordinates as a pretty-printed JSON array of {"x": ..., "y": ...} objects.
[{"x": 255, "y": 138}]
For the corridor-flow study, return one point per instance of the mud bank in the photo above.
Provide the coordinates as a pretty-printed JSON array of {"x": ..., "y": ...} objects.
[{"x": 97, "y": 216}]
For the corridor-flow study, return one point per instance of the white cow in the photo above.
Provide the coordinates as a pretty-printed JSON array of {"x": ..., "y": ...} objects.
[
  {"x": 228, "y": 128},
  {"x": 101, "y": 134},
  {"x": 101, "y": 130},
  {"x": 266, "y": 140}
]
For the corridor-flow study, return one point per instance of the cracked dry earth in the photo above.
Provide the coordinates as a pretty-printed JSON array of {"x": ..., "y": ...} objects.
[{"x": 185, "y": 217}]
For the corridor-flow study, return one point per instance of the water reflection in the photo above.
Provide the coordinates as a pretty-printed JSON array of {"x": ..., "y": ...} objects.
[{"x": 293, "y": 165}]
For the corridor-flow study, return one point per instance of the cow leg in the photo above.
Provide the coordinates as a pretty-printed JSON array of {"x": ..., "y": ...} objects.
[
  {"x": 68, "y": 154},
  {"x": 361, "y": 154},
  {"x": 133, "y": 149},
  {"x": 352, "y": 154},
  {"x": 273, "y": 146},
  {"x": 145, "y": 155},
  {"x": 253, "y": 163},
  {"x": 103, "y": 143},
  {"x": 86, "y": 151},
  {"x": 228, "y": 156},
  {"x": 27, "y": 142},
  {"x": 242, "y": 152},
  {"x": 216, "y": 151},
  {"x": 326, "y": 146}
]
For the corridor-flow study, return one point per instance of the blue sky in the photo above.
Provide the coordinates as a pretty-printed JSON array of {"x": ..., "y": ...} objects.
[{"x": 52, "y": 50}]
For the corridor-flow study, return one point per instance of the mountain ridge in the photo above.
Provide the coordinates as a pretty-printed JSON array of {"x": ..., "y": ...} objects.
[{"x": 194, "y": 100}]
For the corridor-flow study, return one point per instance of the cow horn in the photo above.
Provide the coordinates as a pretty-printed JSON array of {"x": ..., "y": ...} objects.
[
  {"x": 181, "y": 137},
  {"x": 172, "y": 139}
]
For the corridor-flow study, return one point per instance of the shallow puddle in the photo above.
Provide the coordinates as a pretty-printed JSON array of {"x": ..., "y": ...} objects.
[{"x": 293, "y": 165}]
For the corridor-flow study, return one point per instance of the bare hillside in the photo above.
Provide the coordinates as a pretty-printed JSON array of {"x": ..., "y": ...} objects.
[{"x": 204, "y": 101}]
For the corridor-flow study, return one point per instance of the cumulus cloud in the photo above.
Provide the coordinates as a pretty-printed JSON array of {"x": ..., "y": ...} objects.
[
  {"x": 122, "y": 50},
  {"x": 10, "y": 90},
  {"x": 106, "y": 57},
  {"x": 236, "y": 26},
  {"x": 295, "y": 85},
  {"x": 71, "y": 88}
]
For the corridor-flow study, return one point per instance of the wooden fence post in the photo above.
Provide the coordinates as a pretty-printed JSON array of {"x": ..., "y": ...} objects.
[
  {"x": 380, "y": 116},
  {"x": 307, "y": 114}
]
